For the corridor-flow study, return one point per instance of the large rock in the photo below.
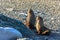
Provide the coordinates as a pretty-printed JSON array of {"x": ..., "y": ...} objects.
[
  {"x": 7, "y": 33},
  {"x": 17, "y": 25}
]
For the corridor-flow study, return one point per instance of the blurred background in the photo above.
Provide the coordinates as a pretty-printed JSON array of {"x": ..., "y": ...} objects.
[{"x": 49, "y": 10}]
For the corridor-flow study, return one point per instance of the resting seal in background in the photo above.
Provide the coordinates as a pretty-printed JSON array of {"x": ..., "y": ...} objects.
[
  {"x": 30, "y": 20},
  {"x": 40, "y": 28},
  {"x": 8, "y": 33}
]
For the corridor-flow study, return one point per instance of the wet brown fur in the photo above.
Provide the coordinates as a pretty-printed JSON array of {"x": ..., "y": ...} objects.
[
  {"x": 40, "y": 28},
  {"x": 30, "y": 20}
]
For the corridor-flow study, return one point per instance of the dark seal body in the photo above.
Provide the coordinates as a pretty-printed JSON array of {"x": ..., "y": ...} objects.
[
  {"x": 30, "y": 20},
  {"x": 40, "y": 28}
]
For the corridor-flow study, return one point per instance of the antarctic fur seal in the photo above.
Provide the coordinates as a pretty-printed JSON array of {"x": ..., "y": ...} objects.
[
  {"x": 40, "y": 28},
  {"x": 30, "y": 20}
]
